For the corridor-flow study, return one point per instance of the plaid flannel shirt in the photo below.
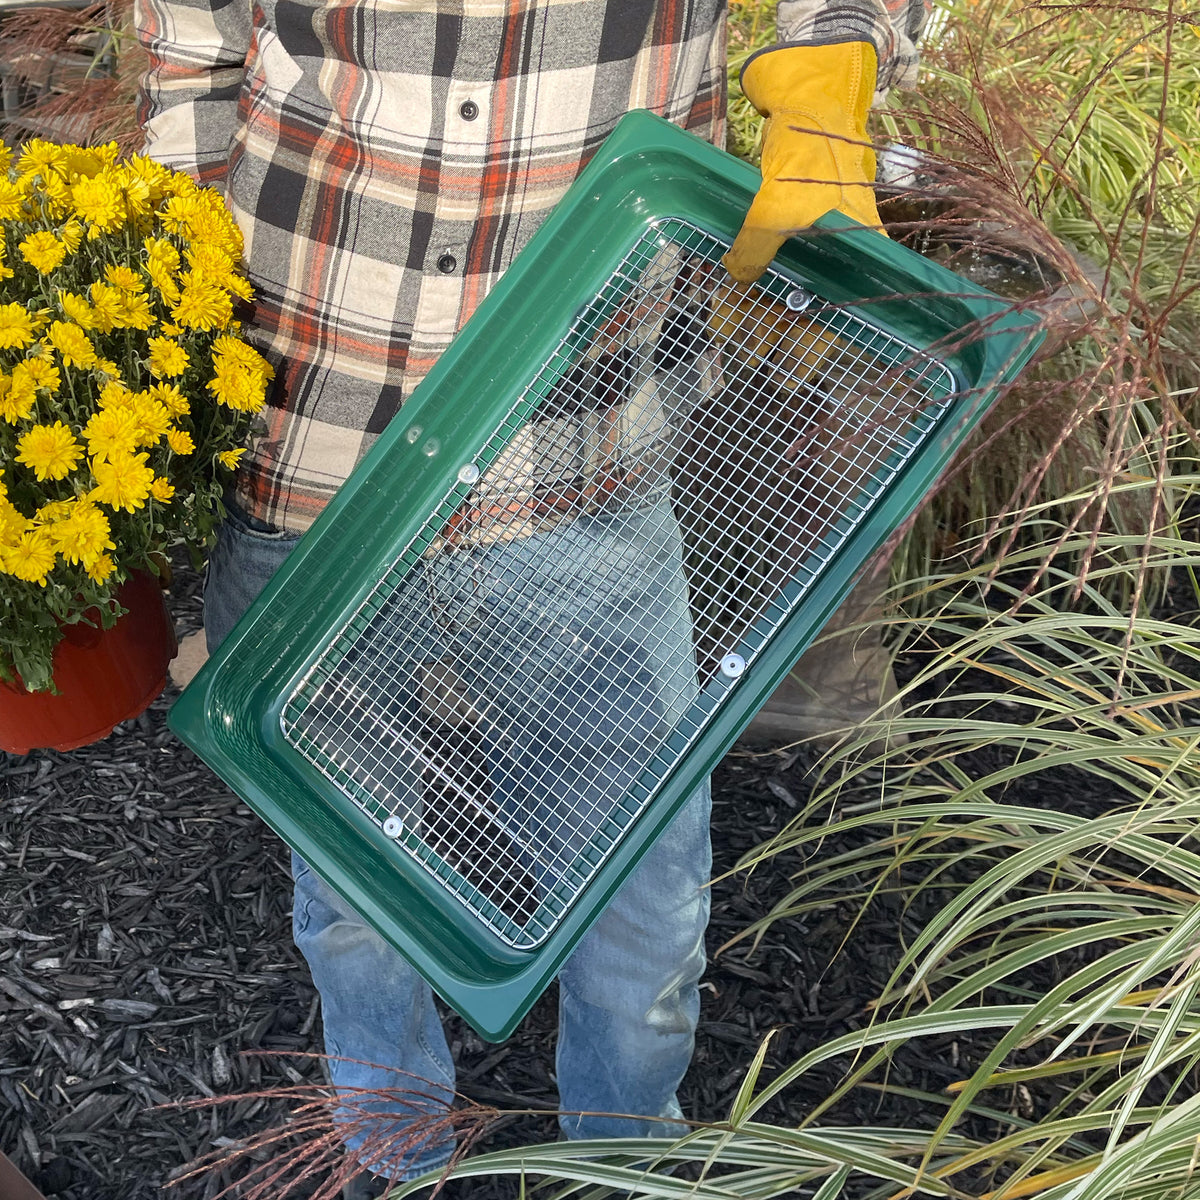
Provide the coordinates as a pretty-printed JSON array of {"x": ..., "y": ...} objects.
[{"x": 386, "y": 159}]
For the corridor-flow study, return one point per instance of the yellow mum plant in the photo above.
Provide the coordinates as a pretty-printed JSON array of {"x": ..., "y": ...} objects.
[{"x": 126, "y": 389}]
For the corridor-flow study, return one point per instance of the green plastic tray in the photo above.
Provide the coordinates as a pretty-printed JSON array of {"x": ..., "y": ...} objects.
[{"x": 882, "y": 313}]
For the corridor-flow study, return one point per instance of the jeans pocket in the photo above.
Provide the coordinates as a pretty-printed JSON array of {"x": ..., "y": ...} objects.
[
  {"x": 246, "y": 555},
  {"x": 250, "y": 526}
]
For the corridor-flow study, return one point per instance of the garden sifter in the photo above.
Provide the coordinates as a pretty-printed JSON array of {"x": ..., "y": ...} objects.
[{"x": 787, "y": 427}]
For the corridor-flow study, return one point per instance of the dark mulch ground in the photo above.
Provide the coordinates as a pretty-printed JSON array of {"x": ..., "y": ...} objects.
[{"x": 145, "y": 946}]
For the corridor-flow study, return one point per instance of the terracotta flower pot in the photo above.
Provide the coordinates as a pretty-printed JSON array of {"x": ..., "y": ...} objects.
[{"x": 103, "y": 676}]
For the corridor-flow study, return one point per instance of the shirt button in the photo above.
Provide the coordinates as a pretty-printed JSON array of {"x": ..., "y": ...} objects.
[
  {"x": 447, "y": 263},
  {"x": 468, "y": 110}
]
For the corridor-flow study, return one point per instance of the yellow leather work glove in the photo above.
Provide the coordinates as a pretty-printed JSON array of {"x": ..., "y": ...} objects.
[{"x": 816, "y": 155}]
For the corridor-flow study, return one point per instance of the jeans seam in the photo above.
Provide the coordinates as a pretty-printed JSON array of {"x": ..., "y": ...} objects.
[
  {"x": 430, "y": 1053},
  {"x": 305, "y": 918}
]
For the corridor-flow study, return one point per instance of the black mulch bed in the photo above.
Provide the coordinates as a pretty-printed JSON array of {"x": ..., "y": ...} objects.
[{"x": 145, "y": 946}]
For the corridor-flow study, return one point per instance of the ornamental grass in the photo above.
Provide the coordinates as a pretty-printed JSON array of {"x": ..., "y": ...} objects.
[{"x": 126, "y": 389}]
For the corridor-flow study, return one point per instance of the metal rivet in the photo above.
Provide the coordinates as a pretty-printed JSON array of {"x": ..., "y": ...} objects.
[
  {"x": 468, "y": 473},
  {"x": 798, "y": 299},
  {"x": 732, "y": 665},
  {"x": 393, "y": 827}
]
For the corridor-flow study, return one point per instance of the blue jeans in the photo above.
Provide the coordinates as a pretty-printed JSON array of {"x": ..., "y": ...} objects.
[{"x": 628, "y": 995}]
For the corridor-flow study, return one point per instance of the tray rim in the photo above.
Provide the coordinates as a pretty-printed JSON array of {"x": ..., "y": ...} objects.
[{"x": 213, "y": 715}]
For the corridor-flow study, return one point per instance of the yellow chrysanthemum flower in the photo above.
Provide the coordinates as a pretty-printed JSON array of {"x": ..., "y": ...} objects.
[
  {"x": 161, "y": 490},
  {"x": 125, "y": 278},
  {"x": 176, "y": 215},
  {"x": 210, "y": 262},
  {"x": 202, "y": 306},
  {"x": 164, "y": 282},
  {"x": 43, "y": 251},
  {"x": 136, "y": 193},
  {"x": 17, "y": 398},
  {"x": 167, "y": 394},
  {"x": 231, "y": 458},
  {"x": 240, "y": 375},
  {"x": 39, "y": 157},
  {"x": 241, "y": 287},
  {"x": 28, "y": 377},
  {"x": 214, "y": 223},
  {"x": 49, "y": 451},
  {"x": 214, "y": 264},
  {"x": 32, "y": 558},
  {"x": 76, "y": 308},
  {"x": 16, "y": 327},
  {"x": 83, "y": 535},
  {"x": 13, "y": 523},
  {"x": 152, "y": 418},
  {"x": 22, "y": 394},
  {"x": 111, "y": 431},
  {"x": 101, "y": 569},
  {"x": 108, "y": 370},
  {"x": 168, "y": 359},
  {"x": 106, "y": 306},
  {"x": 72, "y": 343},
  {"x": 182, "y": 185},
  {"x": 237, "y": 388},
  {"x": 162, "y": 252},
  {"x": 122, "y": 481},
  {"x": 114, "y": 394},
  {"x": 72, "y": 235},
  {"x": 180, "y": 441},
  {"x": 56, "y": 510},
  {"x": 201, "y": 216},
  {"x": 98, "y": 201},
  {"x": 12, "y": 200},
  {"x": 82, "y": 162},
  {"x": 153, "y": 174},
  {"x": 245, "y": 355},
  {"x": 54, "y": 194},
  {"x": 41, "y": 372},
  {"x": 134, "y": 312}
]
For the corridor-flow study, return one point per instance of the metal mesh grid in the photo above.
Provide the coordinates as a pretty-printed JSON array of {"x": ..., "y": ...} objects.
[{"x": 515, "y": 690}]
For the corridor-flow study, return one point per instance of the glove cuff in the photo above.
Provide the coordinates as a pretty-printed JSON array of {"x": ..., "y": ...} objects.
[{"x": 836, "y": 82}]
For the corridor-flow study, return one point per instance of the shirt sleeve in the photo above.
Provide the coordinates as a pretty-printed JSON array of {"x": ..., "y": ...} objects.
[
  {"x": 188, "y": 98},
  {"x": 893, "y": 27}
]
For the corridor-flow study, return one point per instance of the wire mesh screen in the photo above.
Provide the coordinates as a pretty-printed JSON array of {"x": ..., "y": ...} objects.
[{"x": 514, "y": 692}]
